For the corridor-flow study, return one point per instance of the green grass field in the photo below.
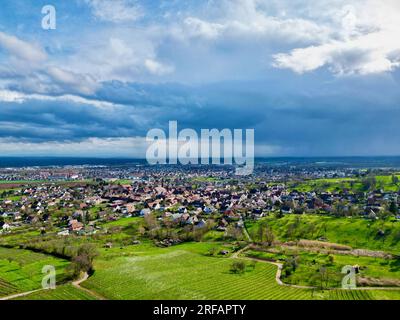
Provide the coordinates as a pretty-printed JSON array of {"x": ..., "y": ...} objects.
[
  {"x": 63, "y": 292},
  {"x": 21, "y": 181},
  {"x": 340, "y": 184},
  {"x": 182, "y": 273},
  {"x": 186, "y": 272},
  {"x": 147, "y": 272},
  {"x": 309, "y": 263},
  {"x": 21, "y": 270},
  {"x": 354, "y": 232}
]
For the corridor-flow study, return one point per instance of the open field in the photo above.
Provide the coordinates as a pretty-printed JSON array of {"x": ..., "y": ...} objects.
[
  {"x": 339, "y": 184},
  {"x": 185, "y": 272},
  {"x": 9, "y": 185},
  {"x": 355, "y": 232},
  {"x": 63, "y": 292},
  {"x": 182, "y": 273},
  {"x": 160, "y": 257},
  {"x": 21, "y": 270},
  {"x": 309, "y": 264}
]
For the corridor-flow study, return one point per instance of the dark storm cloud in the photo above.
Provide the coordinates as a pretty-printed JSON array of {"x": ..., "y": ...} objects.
[{"x": 342, "y": 116}]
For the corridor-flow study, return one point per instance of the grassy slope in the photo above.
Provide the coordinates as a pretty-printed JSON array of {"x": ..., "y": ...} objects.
[
  {"x": 182, "y": 272},
  {"x": 338, "y": 184},
  {"x": 185, "y": 272},
  {"x": 21, "y": 270},
  {"x": 356, "y": 232},
  {"x": 63, "y": 292},
  {"x": 309, "y": 264}
]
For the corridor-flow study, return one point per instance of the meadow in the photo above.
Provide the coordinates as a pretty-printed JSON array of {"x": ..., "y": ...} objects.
[
  {"x": 188, "y": 272},
  {"x": 146, "y": 272},
  {"x": 63, "y": 292},
  {"x": 309, "y": 264},
  {"x": 339, "y": 184},
  {"x": 355, "y": 232},
  {"x": 21, "y": 270},
  {"x": 184, "y": 272}
]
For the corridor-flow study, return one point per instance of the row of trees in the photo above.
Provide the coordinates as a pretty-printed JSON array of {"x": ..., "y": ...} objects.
[
  {"x": 80, "y": 255},
  {"x": 264, "y": 234}
]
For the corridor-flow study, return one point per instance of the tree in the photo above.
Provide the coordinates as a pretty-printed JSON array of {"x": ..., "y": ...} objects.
[
  {"x": 269, "y": 236},
  {"x": 212, "y": 251},
  {"x": 393, "y": 208},
  {"x": 150, "y": 221},
  {"x": 290, "y": 265},
  {"x": 369, "y": 183},
  {"x": 238, "y": 267},
  {"x": 395, "y": 180},
  {"x": 260, "y": 232},
  {"x": 83, "y": 261},
  {"x": 233, "y": 233},
  {"x": 323, "y": 277}
]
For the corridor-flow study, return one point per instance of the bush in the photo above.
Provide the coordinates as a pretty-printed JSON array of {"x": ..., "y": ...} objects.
[
  {"x": 83, "y": 261},
  {"x": 212, "y": 251},
  {"x": 238, "y": 267}
]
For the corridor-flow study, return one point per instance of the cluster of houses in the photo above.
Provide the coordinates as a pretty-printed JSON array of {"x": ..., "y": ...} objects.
[{"x": 181, "y": 198}]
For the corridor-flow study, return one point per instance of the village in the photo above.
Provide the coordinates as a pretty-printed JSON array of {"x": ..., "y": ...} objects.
[{"x": 76, "y": 200}]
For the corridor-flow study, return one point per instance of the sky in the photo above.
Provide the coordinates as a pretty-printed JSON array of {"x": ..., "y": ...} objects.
[{"x": 312, "y": 78}]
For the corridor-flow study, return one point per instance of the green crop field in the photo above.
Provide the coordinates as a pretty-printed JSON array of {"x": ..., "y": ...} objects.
[
  {"x": 21, "y": 270},
  {"x": 147, "y": 272},
  {"x": 180, "y": 274},
  {"x": 63, "y": 292},
  {"x": 340, "y": 184},
  {"x": 362, "y": 295},
  {"x": 349, "y": 295},
  {"x": 185, "y": 272}
]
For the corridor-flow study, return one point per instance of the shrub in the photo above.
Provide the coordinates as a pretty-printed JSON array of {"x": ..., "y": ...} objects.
[{"x": 238, "y": 267}]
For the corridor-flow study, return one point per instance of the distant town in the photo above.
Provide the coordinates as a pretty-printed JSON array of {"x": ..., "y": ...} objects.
[
  {"x": 74, "y": 198},
  {"x": 125, "y": 230}
]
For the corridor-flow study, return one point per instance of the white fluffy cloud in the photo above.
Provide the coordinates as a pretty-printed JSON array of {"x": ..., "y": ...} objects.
[
  {"x": 28, "y": 67},
  {"x": 222, "y": 39},
  {"x": 157, "y": 68},
  {"x": 365, "y": 42},
  {"x": 116, "y": 10},
  {"x": 21, "y": 49},
  {"x": 91, "y": 147},
  {"x": 253, "y": 19},
  {"x": 19, "y": 97},
  {"x": 82, "y": 83}
]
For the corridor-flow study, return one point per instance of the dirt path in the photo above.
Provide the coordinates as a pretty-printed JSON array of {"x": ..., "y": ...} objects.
[
  {"x": 279, "y": 274},
  {"x": 77, "y": 284},
  {"x": 22, "y": 294},
  {"x": 236, "y": 254}
]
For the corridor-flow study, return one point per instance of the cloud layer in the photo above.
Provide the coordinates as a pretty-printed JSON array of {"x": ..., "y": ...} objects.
[{"x": 311, "y": 78}]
